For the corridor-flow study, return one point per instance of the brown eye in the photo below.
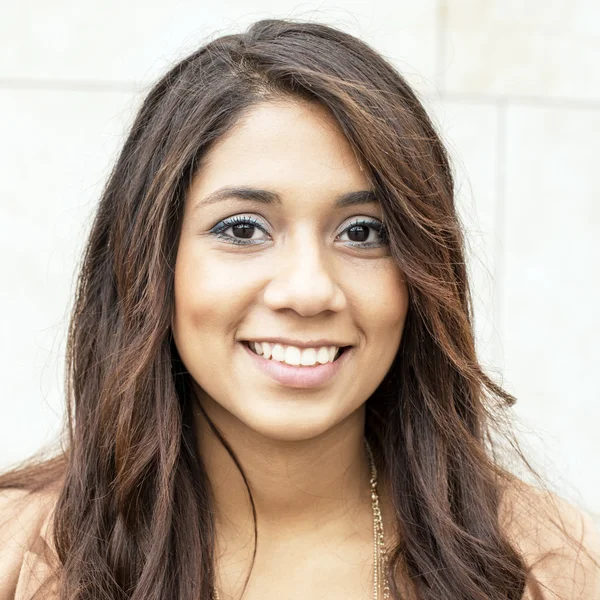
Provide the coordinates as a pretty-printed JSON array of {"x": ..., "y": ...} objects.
[
  {"x": 242, "y": 228},
  {"x": 366, "y": 233},
  {"x": 358, "y": 233}
]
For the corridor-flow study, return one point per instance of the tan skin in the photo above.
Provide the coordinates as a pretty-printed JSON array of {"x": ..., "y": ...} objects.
[{"x": 301, "y": 448}]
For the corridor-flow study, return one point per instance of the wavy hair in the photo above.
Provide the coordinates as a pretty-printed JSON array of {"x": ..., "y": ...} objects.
[{"x": 133, "y": 518}]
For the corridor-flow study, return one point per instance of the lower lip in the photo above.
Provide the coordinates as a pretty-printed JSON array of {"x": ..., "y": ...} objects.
[{"x": 298, "y": 377}]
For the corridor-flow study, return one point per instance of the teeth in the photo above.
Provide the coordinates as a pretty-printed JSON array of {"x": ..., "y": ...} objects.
[
  {"x": 309, "y": 356},
  {"x": 292, "y": 355},
  {"x": 323, "y": 355},
  {"x": 279, "y": 352}
]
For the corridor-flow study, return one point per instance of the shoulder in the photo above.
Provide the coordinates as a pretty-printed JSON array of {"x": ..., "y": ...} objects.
[
  {"x": 560, "y": 542},
  {"x": 24, "y": 521}
]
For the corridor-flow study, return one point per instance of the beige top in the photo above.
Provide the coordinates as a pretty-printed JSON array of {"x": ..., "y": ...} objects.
[
  {"x": 26, "y": 555},
  {"x": 26, "y": 551}
]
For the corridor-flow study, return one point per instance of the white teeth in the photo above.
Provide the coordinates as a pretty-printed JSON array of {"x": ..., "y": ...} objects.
[
  {"x": 293, "y": 355},
  {"x": 278, "y": 352},
  {"x": 323, "y": 355},
  {"x": 266, "y": 348},
  {"x": 309, "y": 356}
]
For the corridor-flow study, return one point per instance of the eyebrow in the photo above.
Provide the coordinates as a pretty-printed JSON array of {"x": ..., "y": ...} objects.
[{"x": 270, "y": 197}]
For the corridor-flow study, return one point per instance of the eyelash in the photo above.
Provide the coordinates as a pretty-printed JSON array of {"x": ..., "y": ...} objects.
[{"x": 225, "y": 224}]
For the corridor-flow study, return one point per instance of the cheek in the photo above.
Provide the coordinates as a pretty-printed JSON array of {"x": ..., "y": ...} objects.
[
  {"x": 382, "y": 302},
  {"x": 208, "y": 294},
  {"x": 383, "y": 296}
]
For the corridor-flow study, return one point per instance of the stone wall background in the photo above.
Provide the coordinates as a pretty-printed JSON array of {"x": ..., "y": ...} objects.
[{"x": 515, "y": 90}]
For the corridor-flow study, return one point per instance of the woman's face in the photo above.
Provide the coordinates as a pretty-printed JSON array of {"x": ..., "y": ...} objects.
[{"x": 285, "y": 263}]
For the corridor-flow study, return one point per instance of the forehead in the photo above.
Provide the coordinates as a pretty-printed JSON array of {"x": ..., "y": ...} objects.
[{"x": 284, "y": 144}]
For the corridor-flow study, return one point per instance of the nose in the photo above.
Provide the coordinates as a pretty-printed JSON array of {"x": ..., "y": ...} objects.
[{"x": 304, "y": 281}]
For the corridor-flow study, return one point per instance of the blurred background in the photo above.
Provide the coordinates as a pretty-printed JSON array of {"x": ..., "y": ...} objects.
[{"x": 514, "y": 88}]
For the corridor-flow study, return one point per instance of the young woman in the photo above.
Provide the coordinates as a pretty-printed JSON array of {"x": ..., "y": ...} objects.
[{"x": 272, "y": 380}]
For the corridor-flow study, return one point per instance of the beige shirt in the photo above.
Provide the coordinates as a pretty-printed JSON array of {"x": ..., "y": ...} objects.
[
  {"x": 26, "y": 556},
  {"x": 565, "y": 572}
]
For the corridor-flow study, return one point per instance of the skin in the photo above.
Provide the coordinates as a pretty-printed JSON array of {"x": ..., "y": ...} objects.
[
  {"x": 301, "y": 448},
  {"x": 302, "y": 451}
]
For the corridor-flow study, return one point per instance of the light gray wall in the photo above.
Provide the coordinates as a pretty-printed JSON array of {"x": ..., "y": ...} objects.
[{"x": 515, "y": 89}]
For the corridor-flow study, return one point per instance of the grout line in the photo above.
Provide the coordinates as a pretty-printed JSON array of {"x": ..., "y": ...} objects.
[
  {"x": 70, "y": 85},
  {"x": 78, "y": 85},
  {"x": 441, "y": 39},
  {"x": 535, "y": 101},
  {"x": 500, "y": 226}
]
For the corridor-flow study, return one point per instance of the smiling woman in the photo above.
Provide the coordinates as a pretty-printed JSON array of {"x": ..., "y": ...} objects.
[
  {"x": 272, "y": 378},
  {"x": 306, "y": 269}
]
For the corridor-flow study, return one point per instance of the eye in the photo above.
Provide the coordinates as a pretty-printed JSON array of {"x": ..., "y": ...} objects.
[
  {"x": 366, "y": 233},
  {"x": 243, "y": 230}
]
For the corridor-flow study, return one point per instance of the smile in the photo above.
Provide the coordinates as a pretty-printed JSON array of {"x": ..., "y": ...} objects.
[
  {"x": 294, "y": 356},
  {"x": 299, "y": 376}
]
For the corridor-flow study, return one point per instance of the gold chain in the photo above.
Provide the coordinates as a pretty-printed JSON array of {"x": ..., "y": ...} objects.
[{"x": 379, "y": 551}]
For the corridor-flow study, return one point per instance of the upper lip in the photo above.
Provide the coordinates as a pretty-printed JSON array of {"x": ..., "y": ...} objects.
[{"x": 298, "y": 343}]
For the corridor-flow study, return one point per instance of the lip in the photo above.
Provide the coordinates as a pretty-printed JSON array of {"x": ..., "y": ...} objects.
[
  {"x": 298, "y": 377},
  {"x": 299, "y": 344}
]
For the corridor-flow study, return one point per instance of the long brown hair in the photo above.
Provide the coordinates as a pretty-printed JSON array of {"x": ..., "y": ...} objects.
[{"x": 133, "y": 518}]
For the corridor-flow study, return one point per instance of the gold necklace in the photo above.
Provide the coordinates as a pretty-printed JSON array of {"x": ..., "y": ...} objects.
[{"x": 379, "y": 550}]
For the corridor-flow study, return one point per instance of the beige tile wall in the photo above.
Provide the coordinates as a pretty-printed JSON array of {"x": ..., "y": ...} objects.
[
  {"x": 515, "y": 90},
  {"x": 57, "y": 148},
  {"x": 536, "y": 48}
]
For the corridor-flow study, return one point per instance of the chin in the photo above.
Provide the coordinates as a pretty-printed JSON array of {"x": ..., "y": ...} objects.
[{"x": 294, "y": 420}]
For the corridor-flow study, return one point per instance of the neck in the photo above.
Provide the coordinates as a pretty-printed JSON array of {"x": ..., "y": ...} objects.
[{"x": 298, "y": 487}]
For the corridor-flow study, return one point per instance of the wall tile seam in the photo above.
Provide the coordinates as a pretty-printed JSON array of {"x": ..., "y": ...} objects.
[
  {"x": 64, "y": 85},
  {"x": 73, "y": 85},
  {"x": 501, "y": 107},
  {"x": 552, "y": 102}
]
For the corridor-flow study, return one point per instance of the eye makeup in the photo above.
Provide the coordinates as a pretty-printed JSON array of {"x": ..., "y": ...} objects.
[{"x": 245, "y": 224}]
